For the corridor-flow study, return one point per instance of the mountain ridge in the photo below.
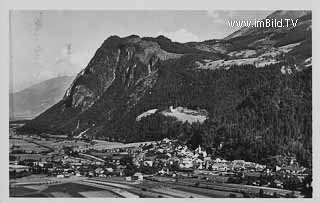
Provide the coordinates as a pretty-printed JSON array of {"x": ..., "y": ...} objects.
[{"x": 33, "y": 100}]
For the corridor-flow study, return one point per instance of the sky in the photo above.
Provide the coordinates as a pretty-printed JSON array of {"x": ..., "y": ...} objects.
[{"x": 49, "y": 43}]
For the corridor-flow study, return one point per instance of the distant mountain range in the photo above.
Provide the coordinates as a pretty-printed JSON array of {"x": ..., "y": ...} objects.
[
  {"x": 32, "y": 101},
  {"x": 254, "y": 85}
]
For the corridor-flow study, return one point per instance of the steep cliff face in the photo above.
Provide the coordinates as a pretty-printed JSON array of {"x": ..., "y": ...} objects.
[
  {"x": 127, "y": 60},
  {"x": 123, "y": 68}
]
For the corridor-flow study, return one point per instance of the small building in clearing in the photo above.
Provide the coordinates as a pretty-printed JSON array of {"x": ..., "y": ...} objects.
[{"x": 137, "y": 176}]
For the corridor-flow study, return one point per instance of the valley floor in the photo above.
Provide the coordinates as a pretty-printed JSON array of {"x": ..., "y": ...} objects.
[{"x": 115, "y": 187}]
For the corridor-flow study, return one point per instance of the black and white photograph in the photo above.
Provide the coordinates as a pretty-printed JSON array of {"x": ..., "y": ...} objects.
[{"x": 141, "y": 103}]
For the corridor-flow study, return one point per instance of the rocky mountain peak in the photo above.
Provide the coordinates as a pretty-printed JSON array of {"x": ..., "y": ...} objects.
[{"x": 122, "y": 60}]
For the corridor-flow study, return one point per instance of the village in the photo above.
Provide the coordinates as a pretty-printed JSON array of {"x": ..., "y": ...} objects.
[{"x": 158, "y": 161}]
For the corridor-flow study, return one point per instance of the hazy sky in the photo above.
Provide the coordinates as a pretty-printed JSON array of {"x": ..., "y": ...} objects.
[{"x": 46, "y": 44}]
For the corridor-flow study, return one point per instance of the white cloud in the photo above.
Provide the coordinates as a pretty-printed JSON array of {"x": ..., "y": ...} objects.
[
  {"x": 219, "y": 16},
  {"x": 213, "y": 14},
  {"x": 180, "y": 35}
]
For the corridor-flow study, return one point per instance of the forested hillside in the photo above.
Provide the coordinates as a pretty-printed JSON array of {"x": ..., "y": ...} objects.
[{"x": 254, "y": 113}]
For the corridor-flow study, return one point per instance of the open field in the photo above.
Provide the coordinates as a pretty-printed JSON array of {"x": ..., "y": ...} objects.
[
  {"x": 100, "y": 144},
  {"x": 225, "y": 187},
  {"x": 21, "y": 192},
  {"x": 165, "y": 189},
  {"x": 98, "y": 194},
  {"x": 186, "y": 115},
  {"x": 154, "y": 187},
  {"x": 28, "y": 146},
  {"x": 38, "y": 144},
  {"x": 69, "y": 189},
  {"x": 30, "y": 156}
]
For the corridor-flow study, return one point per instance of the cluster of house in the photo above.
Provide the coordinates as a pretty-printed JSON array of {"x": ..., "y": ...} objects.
[
  {"x": 184, "y": 158},
  {"x": 165, "y": 157},
  {"x": 180, "y": 160}
]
